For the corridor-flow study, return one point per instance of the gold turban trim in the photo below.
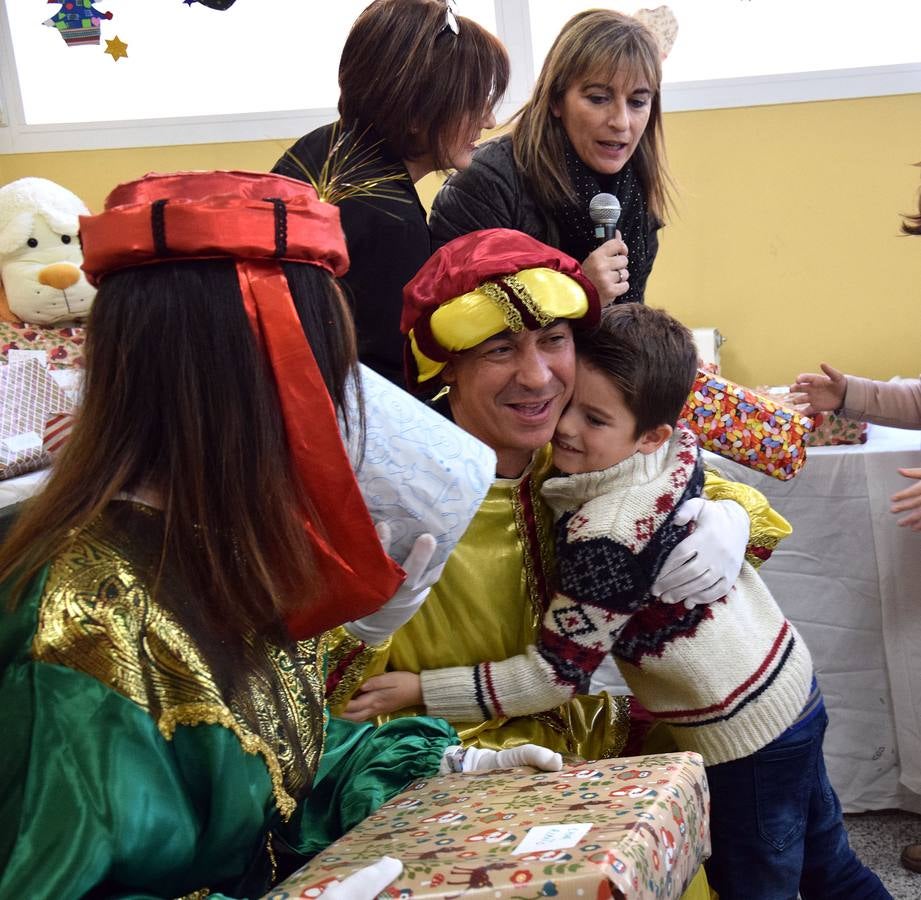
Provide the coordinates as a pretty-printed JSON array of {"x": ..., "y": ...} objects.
[{"x": 466, "y": 321}]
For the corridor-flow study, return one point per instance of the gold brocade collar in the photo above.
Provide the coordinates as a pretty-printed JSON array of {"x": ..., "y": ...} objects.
[{"x": 97, "y": 615}]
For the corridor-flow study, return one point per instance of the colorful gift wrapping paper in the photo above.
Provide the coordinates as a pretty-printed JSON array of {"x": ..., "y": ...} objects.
[
  {"x": 833, "y": 429},
  {"x": 63, "y": 347},
  {"x": 743, "y": 426},
  {"x": 457, "y": 834},
  {"x": 29, "y": 396}
]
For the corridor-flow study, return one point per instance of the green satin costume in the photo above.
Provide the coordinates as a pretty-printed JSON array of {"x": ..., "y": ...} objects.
[{"x": 125, "y": 772}]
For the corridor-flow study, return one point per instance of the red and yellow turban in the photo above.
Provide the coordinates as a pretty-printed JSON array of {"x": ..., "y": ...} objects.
[{"x": 484, "y": 283}]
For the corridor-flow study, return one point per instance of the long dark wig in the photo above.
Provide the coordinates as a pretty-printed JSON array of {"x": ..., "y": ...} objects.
[{"x": 179, "y": 401}]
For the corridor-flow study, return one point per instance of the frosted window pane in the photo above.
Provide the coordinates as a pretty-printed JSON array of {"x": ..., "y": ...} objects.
[
  {"x": 743, "y": 38},
  {"x": 258, "y": 56}
]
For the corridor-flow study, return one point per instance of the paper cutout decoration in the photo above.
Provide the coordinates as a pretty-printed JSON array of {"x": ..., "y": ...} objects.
[
  {"x": 116, "y": 48},
  {"x": 212, "y": 4},
  {"x": 78, "y": 22},
  {"x": 663, "y": 23}
]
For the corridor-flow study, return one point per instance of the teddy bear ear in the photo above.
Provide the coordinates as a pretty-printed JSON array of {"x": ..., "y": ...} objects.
[{"x": 15, "y": 232}]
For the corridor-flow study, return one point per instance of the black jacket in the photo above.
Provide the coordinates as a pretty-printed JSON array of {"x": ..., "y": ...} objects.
[
  {"x": 493, "y": 193},
  {"x": 388, "y": 240}
]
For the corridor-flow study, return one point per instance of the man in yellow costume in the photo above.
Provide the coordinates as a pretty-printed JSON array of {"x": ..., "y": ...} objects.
[{"x": 489, "y": 322}]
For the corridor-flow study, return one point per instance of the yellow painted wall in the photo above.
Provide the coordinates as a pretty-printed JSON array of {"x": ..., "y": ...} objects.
[
  {"x": 91, "y": 174},
  {"x": 785, "y": 234}
]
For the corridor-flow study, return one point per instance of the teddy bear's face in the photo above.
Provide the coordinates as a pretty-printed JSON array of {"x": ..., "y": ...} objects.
[{"x": 42, "y": 278}]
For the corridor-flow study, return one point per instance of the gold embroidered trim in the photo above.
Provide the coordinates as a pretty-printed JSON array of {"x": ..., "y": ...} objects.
[
  {"x": 208, "y": 714},
  {"x": 541, "y": 555},
  {"x": 342, "y": 646},
  {"x": 520, "y": 290},
  {"x": 760, "y": 540},
  {"x": 530, "y": 570},
  {"x": 620, "y": 722},
  {"x": 545, "y": 546},
  {"x": 273, "y": 862},
  {"x": 500, "y": 298},
  {"x": 97, "y": 616},
  {"x": 200, "y": 894}
]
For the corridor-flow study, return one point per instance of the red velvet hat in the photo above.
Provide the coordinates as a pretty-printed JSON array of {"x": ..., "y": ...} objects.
[
  {"x": 483, "y": 283},
  {"x": 259, "y": 220}
]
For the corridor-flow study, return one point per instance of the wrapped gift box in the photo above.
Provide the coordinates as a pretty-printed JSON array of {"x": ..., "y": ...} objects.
[
  {"x": 828, "y": 428},
  {"x": 625, "y": 828},
  {"x": 62, "y": 348},
  {"x": 746, "y": 427},
  {"x": 29, "y": 397},
  {"x": 833, "y": 429}
]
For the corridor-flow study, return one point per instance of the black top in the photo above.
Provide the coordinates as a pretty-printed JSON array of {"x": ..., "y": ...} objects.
[
  {"x": 493, "y": 193},
  {"x": 387, "y": 238}
]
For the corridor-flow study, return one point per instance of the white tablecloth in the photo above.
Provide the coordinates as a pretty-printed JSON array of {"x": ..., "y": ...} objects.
[{"x": 850, "y": 579}]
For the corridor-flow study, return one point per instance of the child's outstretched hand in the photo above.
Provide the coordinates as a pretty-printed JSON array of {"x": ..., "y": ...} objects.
[
  {"x": 909, "y": 501},
  {"x": 819, "y": 393},
  {"x": 382, "y": 694}
]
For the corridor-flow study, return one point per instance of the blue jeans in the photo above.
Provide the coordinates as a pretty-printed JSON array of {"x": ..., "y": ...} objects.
[{"x": 777, "y": 828}]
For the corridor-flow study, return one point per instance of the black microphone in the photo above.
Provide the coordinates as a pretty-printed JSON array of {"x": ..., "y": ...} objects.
[{"x": 604, "y": 211}]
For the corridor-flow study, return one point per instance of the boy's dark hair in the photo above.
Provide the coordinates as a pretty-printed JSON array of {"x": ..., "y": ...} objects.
[
  {"x": 649, "y": 355},
  {"x": 402, "y": 58}
]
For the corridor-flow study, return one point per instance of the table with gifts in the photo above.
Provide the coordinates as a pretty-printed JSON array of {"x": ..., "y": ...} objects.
[{"x": 625, "y": 828}]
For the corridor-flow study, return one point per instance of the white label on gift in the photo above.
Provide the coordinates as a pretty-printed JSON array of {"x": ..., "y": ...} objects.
[
  {"x": 28, "y": 440},
  {"x": 16, "y": 357},
  {"x": 552, "y": 837}
]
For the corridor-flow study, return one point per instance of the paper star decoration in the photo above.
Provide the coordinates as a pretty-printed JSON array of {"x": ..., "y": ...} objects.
[{"x": 116, "y": 48}]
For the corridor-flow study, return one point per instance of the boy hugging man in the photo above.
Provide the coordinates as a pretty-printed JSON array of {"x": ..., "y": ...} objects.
[{"x": 733, "y": 679}]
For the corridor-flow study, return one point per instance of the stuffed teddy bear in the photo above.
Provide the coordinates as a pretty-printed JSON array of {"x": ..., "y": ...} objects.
[{"x": 43, "y": 291}]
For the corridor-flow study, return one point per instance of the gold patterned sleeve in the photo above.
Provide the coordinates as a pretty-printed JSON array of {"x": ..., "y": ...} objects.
[
  {"x": 349, "y": 662},
  {"x": 768, "y": 527}
]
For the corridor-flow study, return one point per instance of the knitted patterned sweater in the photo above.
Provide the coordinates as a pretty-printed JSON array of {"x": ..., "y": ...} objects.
[{"x": 728, "y": 677}]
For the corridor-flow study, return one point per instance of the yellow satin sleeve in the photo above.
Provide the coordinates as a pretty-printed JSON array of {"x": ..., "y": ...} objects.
[{"x": 768, "y": 527}]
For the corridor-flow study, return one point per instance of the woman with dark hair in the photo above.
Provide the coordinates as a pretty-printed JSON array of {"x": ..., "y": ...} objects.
[
  {"x": 593, "y": 125},
  {"x": 417, "y": 85},
  {"x": 163, "y": 602}
]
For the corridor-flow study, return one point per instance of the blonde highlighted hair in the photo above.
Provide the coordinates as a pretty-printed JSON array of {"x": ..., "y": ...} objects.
[{"x": 596, "y": 44}]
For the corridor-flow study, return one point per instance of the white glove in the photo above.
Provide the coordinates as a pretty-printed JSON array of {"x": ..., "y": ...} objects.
[
  {"x": 473, "y": 759},
  {"x": 376, "y": 627},
  {"x": 706, "y": 564},
  {"x": 366, "y": 883}
]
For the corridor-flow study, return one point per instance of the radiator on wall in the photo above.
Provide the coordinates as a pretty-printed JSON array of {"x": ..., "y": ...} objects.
[{"x": 708, "y": 341}]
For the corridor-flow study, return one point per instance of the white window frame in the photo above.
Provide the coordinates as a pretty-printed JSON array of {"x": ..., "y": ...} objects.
[{"x": 513, "y": 25}]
